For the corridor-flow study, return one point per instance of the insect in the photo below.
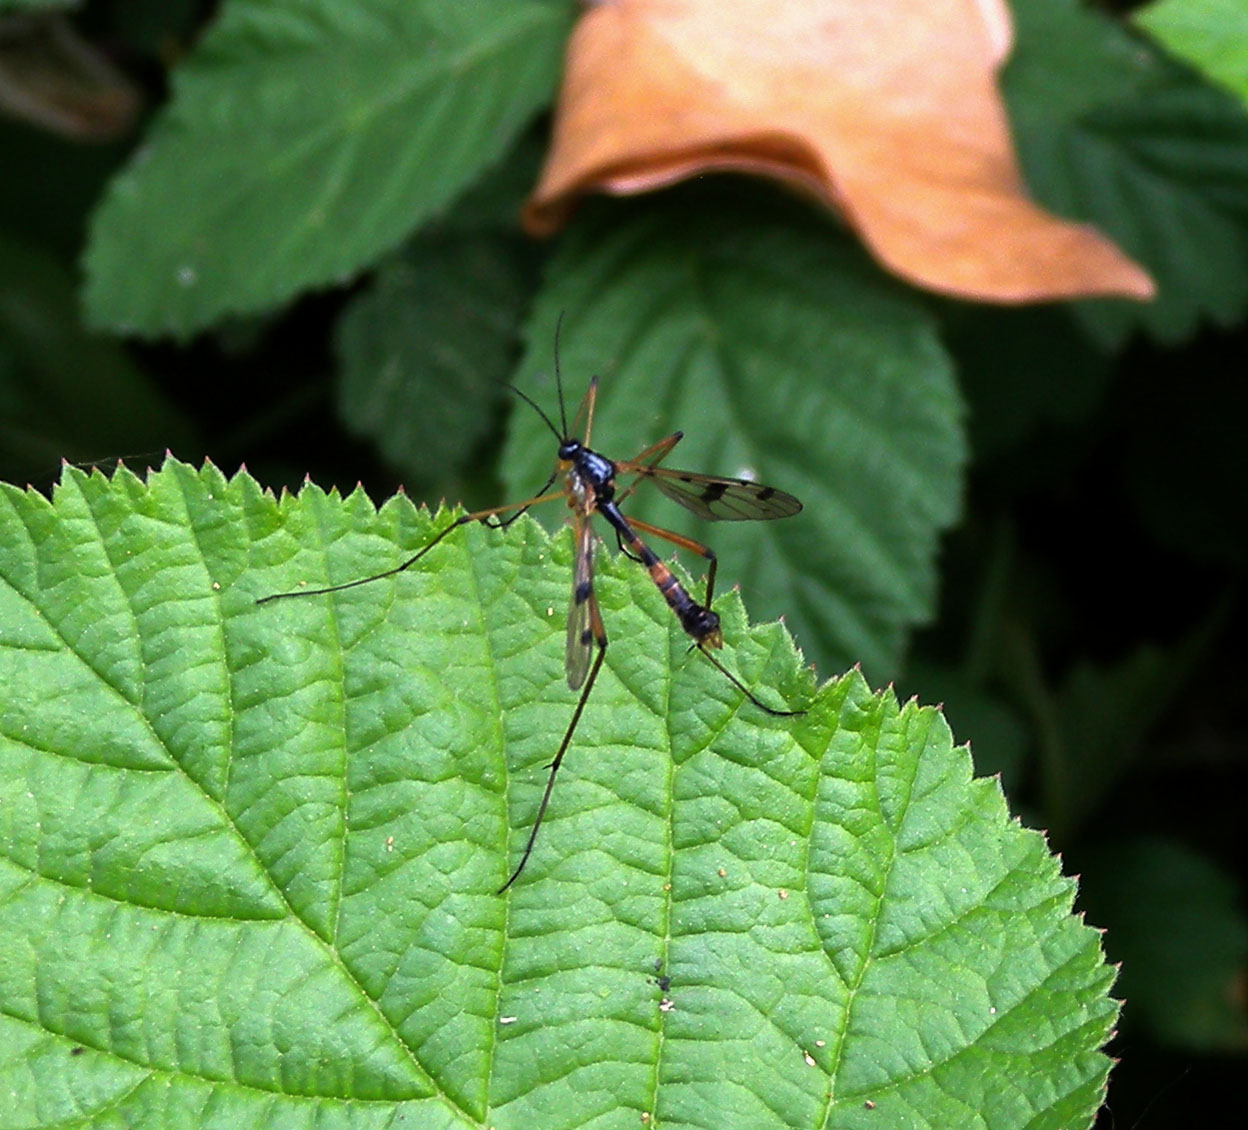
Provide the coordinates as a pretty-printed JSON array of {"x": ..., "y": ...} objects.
[{"x": 590, "y": 487}]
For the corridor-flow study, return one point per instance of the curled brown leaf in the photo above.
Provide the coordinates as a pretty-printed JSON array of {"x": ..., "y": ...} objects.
[{"x": 887, "y": 112}]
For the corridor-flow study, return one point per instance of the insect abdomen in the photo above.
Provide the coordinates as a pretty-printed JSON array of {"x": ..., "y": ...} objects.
[{"x": 701, "y": 624}]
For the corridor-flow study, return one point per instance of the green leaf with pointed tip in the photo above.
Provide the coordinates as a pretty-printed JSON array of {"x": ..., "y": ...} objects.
[
  {"x": 306, "y": 137},
  {"x": 248, "y": 852},
  {"x": 785, "y": 356}
]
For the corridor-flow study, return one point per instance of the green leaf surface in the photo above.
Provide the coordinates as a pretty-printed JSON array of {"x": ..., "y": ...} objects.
[
  {"x": 1068, "y": 59},
  {"x": 305, "y": 138},
  {"x": 1212, "y": 35},
  {"x": 424, "y": 350},
  {"x": 784, "y": 355},
  {"x": 1110, "y": 133},
  {"x": 249, "y": 852}
]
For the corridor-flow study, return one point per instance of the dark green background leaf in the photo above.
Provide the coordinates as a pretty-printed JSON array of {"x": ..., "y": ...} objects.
[
  {"x": 425, "y": 350},
  {"x": 36, "y": 5},
  {"x": 782, "y": 353},
  {"x": 249, "y": 851},
  {"x": 1209, "y": 34},
  {"x": 305, "y": 139},
  {"x": 1111, "y": 133},
  {"x": 1183, "y": 982},
  {"x": 1026, "y": 371},
  {"x": 66, "y": 393}
]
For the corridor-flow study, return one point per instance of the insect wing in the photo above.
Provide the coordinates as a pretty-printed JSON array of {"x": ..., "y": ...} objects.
[
  {"x": 580, "y": 630},
  {"x": 718, "y": 499},
  {"x": 583, "y": 421}
]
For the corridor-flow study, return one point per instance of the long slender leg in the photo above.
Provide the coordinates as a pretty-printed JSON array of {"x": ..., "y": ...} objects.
[
  {"x": 653, "y": 455},
  {"x": 475, "y": 516},
  {"x": 600, "y": 639},
  {"x": 619, "y": 540},
  {"x": 591, "y": 399},
  {"x": 524, "y": 506},
  {"x": 745, "y": 690}
]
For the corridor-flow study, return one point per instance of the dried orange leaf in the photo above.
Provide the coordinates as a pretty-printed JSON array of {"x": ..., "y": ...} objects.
[{"x": 888, "y": 112}]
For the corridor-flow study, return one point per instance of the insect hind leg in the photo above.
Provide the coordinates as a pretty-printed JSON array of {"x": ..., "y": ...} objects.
[
  {"x": 619, "y": 540},
  {"x": 746, "y": 690}
]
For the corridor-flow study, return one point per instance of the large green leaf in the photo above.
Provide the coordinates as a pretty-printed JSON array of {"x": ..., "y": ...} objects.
[
  {"x": 249, "y": 852},
  {"x": 784, "y": 354},
  {"x": 304, "y": 138}
]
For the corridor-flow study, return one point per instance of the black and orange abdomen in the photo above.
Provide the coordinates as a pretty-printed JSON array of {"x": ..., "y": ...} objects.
[{"x": 699, "y": 622}]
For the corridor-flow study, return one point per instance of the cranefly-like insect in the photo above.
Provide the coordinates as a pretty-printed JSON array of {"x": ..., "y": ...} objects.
[{"x": 590, "y": 488}]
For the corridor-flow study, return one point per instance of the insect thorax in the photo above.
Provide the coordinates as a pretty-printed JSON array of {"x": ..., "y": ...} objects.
[{"x": 591, "y": 478}]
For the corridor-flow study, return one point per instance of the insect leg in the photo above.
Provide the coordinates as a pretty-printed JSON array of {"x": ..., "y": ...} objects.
[
  {"x": 523, "y": 506},
  {"x": 745, "y": 690},
  {"x": 619, "y": 540},
  {"x": 583, "y": 421},
  {"x": 653, "y": 455},
  {"x": 475, "y": 516},
  {"x": 600, "y": 639}
]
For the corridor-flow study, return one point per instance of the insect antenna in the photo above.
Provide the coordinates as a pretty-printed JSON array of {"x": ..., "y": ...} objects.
[
  {"x": 561, "y": 436},
  {"x": 536, "y": 408},
  {"x": 563, "y": 416}
]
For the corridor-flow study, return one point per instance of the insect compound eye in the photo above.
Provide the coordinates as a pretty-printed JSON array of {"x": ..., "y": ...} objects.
[{"x": 568, "y": 451}]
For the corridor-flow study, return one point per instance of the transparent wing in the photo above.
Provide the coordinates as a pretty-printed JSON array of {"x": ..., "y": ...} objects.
[
  {"x": 718, "y": 499},
  {"x": 580, "y": 629}
]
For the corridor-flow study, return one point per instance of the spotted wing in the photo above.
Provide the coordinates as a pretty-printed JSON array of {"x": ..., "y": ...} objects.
[
  {"x": 718, "y": 499},
  {"x": 580, "y": 609}
]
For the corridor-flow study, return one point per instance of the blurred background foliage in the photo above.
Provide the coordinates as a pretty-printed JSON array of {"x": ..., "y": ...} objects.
[{"x": 1033, "y": 516}]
